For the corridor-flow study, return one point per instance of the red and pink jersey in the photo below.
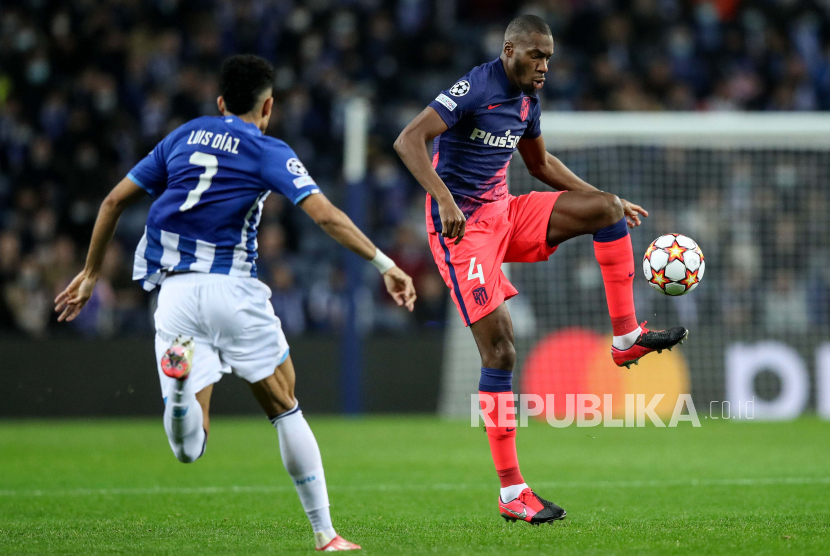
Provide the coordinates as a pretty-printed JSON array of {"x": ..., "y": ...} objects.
[{"x": 486, "y": 116}]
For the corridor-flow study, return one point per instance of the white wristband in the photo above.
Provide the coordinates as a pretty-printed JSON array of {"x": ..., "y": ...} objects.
[{"x": 383, "y": 263}]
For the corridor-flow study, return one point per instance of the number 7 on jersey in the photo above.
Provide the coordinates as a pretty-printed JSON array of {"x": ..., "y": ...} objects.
[{"x": 211, "y": 165}]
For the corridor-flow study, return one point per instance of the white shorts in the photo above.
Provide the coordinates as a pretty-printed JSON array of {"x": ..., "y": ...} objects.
[{"x": 232, "y": 322}]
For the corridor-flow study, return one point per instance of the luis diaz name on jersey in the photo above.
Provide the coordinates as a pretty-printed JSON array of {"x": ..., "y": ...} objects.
[
  {"x": 492, "y": 140},
  {"x": 223, "y": 142}
]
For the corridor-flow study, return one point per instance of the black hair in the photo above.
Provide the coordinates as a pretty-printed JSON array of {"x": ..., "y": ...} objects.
[
  {"x": 525, "y": 25},
  {"x": 242, "y": 80}
]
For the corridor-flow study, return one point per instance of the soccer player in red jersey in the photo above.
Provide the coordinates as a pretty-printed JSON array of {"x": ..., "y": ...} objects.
[{"x": 475, "y": 225}]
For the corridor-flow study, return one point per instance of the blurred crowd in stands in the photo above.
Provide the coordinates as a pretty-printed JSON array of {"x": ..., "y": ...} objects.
[{"x": 88, "y": 87}]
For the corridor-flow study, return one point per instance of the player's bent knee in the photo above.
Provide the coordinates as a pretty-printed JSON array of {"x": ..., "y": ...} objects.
[
  {"x": 501, "y": 355},
  {"x": 612, "y": 209}
]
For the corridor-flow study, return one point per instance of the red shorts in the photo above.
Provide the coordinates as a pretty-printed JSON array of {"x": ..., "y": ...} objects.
[{"x": 472, "y": 269}]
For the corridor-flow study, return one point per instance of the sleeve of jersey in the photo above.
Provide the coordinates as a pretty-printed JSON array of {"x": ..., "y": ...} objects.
[
  {"x": 150, "y": 174},
  {"x": 459, "y": 100},
  {"x": 534, "y": 128},
  {"x": 283, "y": 172}
]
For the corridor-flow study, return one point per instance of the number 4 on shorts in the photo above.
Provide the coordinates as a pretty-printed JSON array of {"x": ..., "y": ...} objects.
[{"x": 478, "y": 272}]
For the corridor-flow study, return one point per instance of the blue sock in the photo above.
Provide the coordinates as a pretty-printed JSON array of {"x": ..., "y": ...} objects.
[
  {"x": 496, "y": 386},
  {"x": 612, "y": 232},
  {"x": 495, "y": 380}
]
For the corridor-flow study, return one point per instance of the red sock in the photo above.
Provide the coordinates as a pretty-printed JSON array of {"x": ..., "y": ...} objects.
[
  {"x": 616, "y": 260},
  {"x": 502, "y": 439}
]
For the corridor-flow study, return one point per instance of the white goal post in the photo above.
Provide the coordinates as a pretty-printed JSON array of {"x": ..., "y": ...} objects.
[{"x": 753, "y": 190}]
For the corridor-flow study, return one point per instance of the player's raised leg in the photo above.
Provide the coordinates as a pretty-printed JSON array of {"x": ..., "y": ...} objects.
[
  {"x": 300, "y": 453},
  {"x": 185, "y": 410},
  {"x": 601, "y": 214},
  {"x": 494, "y": 338}
]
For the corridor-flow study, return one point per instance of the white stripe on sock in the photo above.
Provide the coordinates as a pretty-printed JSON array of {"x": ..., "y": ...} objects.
[
  {"x": 626, "y": 340},
  {"x": 511, "y": 492}
]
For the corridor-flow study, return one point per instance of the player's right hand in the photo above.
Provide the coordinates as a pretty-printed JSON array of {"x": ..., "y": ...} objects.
[
  {"x": 400, "y": 287},
  {"x": 453, "y": 222},
  {"x": 74, "y": 297}
]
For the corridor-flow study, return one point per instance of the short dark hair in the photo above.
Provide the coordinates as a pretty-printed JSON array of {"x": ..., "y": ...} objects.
[
  {"x": 525, "y": 25},
  {"x": 242, "y": 80}
]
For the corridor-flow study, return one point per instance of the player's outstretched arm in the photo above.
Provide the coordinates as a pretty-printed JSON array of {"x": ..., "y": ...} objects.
[
  {"x": 335, "y": 223},
  {"x": 552, "y": 172},
  {"x": 548, "y": 169},
  {"x": 411, "y": 147},
  {"x": 71, "y": 300}
]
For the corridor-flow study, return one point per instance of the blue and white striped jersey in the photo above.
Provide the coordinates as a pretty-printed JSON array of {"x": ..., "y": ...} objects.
[{"x": 211, "y": 177}]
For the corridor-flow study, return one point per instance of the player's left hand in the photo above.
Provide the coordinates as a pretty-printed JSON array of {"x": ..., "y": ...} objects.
[
  {"x": 74, "y": 297},
  {"x": 632, "y": 213},
  {"x": 400, "y": 287}
]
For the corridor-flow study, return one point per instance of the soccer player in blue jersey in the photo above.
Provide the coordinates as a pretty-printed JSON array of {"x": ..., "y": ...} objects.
[
  {"x": 210, "y": 178},
  {"x": 475, "y": 225}
]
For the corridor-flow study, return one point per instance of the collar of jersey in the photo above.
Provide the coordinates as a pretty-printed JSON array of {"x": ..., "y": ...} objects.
[{"x": 246, "y": 126}]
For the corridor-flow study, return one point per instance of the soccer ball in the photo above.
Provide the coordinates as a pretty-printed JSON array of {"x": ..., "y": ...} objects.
[{"x": 673, "y": 264}]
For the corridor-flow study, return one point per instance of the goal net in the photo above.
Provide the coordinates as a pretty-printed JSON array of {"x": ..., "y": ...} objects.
[{"x": 754, "y": 191}]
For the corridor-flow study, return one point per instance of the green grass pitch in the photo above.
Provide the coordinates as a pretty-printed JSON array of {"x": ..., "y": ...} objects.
[{"x": 403, "y": 485}]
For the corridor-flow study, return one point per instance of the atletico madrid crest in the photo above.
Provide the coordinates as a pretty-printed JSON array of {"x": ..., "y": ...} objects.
[
  {"x": 525, "y": 107},
  {"x": 480, "y": 295}
]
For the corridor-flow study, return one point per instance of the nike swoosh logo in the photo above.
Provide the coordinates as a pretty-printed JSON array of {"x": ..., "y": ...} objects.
[
  {"x": 630, "y": 274},
  {"x": 509, "y": 430},
  {"x": 493, "y": 106},
  {"x": 522, "y": 515}
]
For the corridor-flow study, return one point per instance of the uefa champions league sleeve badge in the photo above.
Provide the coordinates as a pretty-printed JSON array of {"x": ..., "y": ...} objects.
[{"x": 460, "y": 89}]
